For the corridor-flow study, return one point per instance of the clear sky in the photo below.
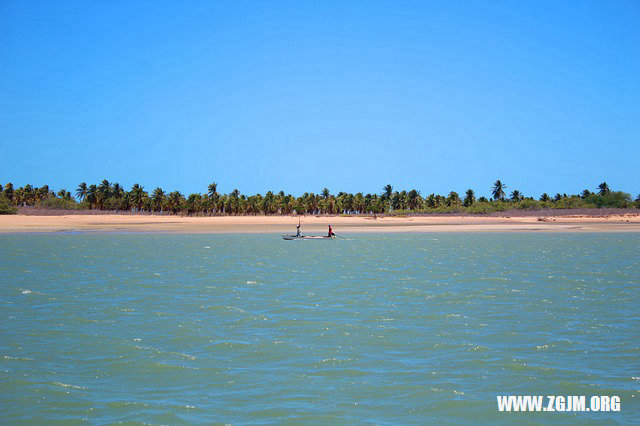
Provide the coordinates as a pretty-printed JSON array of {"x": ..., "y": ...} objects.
[{"x": 299, "y": 95}]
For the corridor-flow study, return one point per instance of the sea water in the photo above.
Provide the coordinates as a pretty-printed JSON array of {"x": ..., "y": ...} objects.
[{"x": 379, "y": 328}]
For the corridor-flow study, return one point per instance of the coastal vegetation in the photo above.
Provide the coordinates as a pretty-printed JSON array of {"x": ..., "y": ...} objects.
[{"x": 108, "y": 196}]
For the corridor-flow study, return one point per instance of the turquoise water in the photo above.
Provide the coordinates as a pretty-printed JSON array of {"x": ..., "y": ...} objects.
[{"x": 392, "y": 328}]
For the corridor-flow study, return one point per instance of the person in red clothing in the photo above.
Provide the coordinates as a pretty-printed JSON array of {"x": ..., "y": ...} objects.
[{"x": 331, "y": 234}]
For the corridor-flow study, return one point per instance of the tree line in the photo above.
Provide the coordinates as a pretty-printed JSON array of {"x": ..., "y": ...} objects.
[{"x": 108, "y": 196}]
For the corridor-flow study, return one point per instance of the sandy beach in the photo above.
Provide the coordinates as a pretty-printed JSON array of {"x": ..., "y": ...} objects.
[{"x": 316, "y": 224}]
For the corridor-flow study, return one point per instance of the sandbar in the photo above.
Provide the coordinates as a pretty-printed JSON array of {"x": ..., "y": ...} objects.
[{"x": 316, "y": 224}]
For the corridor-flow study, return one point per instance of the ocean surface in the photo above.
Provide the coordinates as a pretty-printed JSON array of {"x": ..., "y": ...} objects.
[{"x": 377, "y": 328}]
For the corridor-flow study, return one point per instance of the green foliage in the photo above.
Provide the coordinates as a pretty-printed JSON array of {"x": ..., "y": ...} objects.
[
  {"x": 615, "y": 199},
  {"x": 453, "y": 208},
  {"x": 453, "y": 199},
  {"x": 481, "y": 207},
  {"x": 57, "y": 204},
  {"x": 469, "y": 198},
  {"x": 530, "y": 204},
  {"x": 114, "y": 197},
  {"x": 573, "y": 202},
  {"x": 6, "y": 208}
]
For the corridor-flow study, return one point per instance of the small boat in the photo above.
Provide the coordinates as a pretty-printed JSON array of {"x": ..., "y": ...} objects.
[
  {"x": 299, "y": 236},
  {"x": 307, "y": 237}
]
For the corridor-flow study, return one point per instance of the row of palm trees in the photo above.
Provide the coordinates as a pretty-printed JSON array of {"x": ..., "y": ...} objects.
[
  {"x": 112, "y": 196},
  {"x": 28, "y": 195},
  {"x": 497, "y": 190}
]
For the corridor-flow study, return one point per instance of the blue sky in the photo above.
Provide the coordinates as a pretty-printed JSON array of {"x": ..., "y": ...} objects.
[{"x": 296, "y": 96}]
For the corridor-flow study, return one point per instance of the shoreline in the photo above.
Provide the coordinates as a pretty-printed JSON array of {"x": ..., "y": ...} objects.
[{"x": 96, "y": 223}]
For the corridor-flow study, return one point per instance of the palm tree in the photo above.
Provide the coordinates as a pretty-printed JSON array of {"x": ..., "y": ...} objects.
[
  {"x": 585, "y": 193},
  {"x": 469, "y": 198},
  {"x": 174, "y": 201},
  {"x": 387, "y": 194},
  {"x": 118, "y": 191},
  {"x": 125, "y": 203},
  {"x": 253, "y": 204},
  {"x": 268, "y": 203},
  {"x": 81, "y": 192},
  {"x": 358, "y": 202},
  {"x": 8, "y": 191},
  {"x": 545, "y": 197},
  {"x": 516, "y": 195},
  {"x": 396, "y": 201},
  {"x": 234, "y": 201},
  {"x": 157, "y": 199},
  {"x": 388, "y": 191},
  {"x": 64, "y": 194},
  {"x": 105, "y": 189},
  {"x": 92, "y": 196},
  {"x": 193, "y": 203},
  {"x": 42, "y": 193},
  {"x": 498, "y": 190},
  {"x": 431, "y": 201},
  {"x": 212, "y": 190},
  {"x": 603, "y": 189},
  {"x": 137, "y": 196},
  {"x": 325, "y": 193},
  {"x": 413, "y": 199},
  {"x": 453, "y": 198},
  {"x": 18, "y": 196}
]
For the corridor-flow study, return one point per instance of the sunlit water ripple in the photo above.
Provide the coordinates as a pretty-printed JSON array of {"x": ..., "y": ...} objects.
[{"x": 393, "y": 328}]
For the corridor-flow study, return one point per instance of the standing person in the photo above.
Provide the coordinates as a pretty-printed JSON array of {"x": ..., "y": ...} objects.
[
  {"x": 331, "y": 234},
  {"x": 298, "y": 230}
]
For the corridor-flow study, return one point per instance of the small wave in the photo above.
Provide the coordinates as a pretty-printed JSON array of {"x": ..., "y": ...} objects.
[
  {"x": 540, "y": 347},
  {"x": 118, "y": 404},
  {"x": 15, "y": 358},
  {"x": 252, "y": 282},
  {"x": 65, "y": 385},
  {"x": 161, "y": 352},
  {"x": 231, "y": 345},
  {"x": 477, "y": 348},
  {"x": 332, "y": 360},
  {"x": 168, "y": 366},
  {"x": 27, "y": 291}
]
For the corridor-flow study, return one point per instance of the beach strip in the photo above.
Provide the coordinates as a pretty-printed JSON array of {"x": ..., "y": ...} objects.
[{"x": 315, "y": 224}]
